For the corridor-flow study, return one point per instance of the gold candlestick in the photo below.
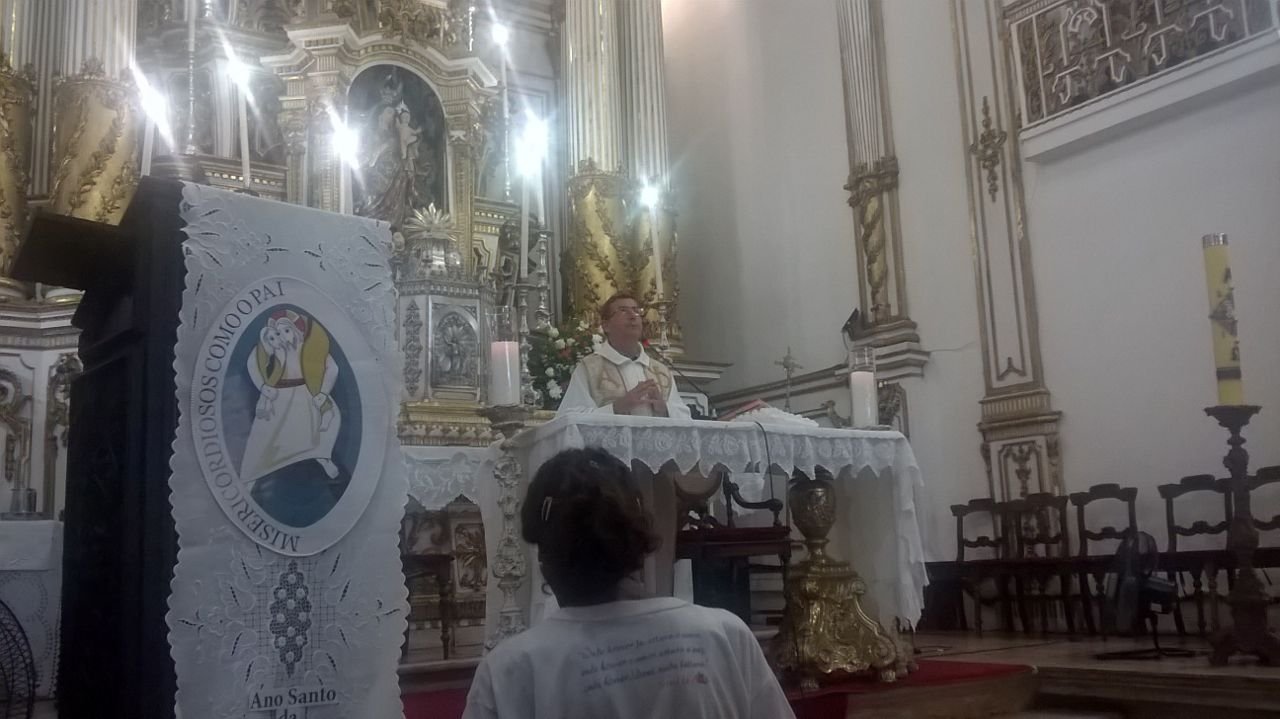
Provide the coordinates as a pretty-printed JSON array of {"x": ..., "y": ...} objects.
[{"x": 1222, "y": 312}]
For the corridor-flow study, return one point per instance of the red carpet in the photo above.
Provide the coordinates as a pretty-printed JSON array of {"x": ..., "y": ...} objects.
[
  {"x": 832, "y": 702},
  {"x": 829, "y": 702}
]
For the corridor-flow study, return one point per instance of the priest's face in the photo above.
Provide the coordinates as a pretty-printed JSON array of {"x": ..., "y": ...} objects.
[{"x": 625, "y": 323}]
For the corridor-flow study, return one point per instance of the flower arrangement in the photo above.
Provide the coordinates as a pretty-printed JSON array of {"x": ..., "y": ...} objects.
[{"x": 552, "y": 356}]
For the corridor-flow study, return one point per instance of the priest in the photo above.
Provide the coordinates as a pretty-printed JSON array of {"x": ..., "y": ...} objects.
[{"x": 620, "y": 377}]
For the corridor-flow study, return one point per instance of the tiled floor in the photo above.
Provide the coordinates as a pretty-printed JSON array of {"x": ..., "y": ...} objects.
[{"x": 1063, "y": 653}]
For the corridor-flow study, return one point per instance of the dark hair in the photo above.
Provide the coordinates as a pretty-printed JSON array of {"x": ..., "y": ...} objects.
[
  {"x": 605, "y": 308},
  {"x": 584, "y": 512}
]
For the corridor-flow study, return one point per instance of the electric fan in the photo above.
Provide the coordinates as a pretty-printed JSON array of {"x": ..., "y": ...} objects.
[
  {"x": 17, "y": 669},
  {"x": 1134, "y": 596}
]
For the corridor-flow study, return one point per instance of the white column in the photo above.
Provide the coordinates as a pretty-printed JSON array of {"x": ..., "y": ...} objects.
[
  {"x": 105, "y": 30},
  {"x": 861, "y": 69},
  {"x": 644, "y": 97},
  {"x": 873, "y": 166},
  {"x": 591, "y": 82}
]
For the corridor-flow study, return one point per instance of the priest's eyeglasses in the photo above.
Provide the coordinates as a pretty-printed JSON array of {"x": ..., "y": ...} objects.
[{"x": 637, "y": 311}]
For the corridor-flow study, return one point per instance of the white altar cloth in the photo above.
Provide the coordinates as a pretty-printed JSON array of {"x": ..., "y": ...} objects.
[
  {"x": 876, "y": 477},
  {"x": 31, "y": 586}
]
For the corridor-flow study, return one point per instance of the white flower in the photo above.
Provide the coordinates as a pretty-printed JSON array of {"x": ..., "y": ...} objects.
[
  {"x": 553, "y": 333},
  {"x": 554, "y": 392},
  {"x": 551, "y": 372},
  {"x": 560, "y": 344},
  {"x": 582, "y": 326},
  {"x": 597, "y": 340}
]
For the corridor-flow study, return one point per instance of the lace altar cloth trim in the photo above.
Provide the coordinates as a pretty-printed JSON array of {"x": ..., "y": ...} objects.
[
  {"x": 875, "y": 472},
  {"x": 30, "y": 545},
  {"x": 439, "y": 475},
  {"x": 31, "y": 586},
  {"x": 288, "y": 596}
]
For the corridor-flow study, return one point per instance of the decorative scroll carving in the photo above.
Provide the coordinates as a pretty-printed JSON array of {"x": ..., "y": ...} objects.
[
  {"x": 1069, "y": 52},
  {"x": 427, "y": 24},
  {"x": 455, "y": 352},
  {"x": 412, "y": 348},
  {"x": 988, "y": 149}
]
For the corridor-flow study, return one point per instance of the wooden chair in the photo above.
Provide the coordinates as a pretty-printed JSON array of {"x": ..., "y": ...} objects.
[
  {"x": 1042, "y": 548},
  {"x": 990, "y": 570},
  {"x": 1264, "y": 477},
  {"x": 1093, "y": 595},
  {"x": 725, "y": 549},
  {"x": 435, "y": 565},
  {"x": 1202, "y": 574}
]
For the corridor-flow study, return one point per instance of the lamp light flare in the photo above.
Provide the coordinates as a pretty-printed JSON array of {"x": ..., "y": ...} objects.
[
  {"x": 532, "y": 145},
  {"x": 649, "y": 196},
  {"x": 501, "y": 35}
]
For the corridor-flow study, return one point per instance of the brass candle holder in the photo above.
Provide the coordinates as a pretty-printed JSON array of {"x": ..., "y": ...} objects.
[
  {"x": 1248, "y": 633},
  {"x": 824, "y": 631}
]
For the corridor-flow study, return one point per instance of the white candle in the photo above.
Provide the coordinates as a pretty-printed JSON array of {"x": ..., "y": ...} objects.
[
  {"x": 657, "y": 251},
  {"x": 866, "y": 402},
  {"x": 524, "y": 224},
  {"x": 245, "y": 169},
  {"x": 504, "y": 373}
]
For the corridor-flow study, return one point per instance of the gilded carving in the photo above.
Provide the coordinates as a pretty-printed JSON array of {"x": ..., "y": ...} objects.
[
  {"x": 824, "y": 629},
  {"x": 415, "y": 20},
  {"x": 988, "y": 149},
  {"x": 412, "y": 345},
  {"x": 17, "y": 101},
  {"x": 868, "y": 184},
  {"x": 96, "y": 138},
  {"x": 597, "y": 263},
  {"x": 1070, "y": 52}
]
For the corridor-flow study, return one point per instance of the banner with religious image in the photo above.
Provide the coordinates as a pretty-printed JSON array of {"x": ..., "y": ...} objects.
[{"x": 288, "y": 483}]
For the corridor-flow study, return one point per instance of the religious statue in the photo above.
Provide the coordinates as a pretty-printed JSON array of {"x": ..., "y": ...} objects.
[
  {"x": 295, "y": 419},
  {"x": 398, "y": 170}
]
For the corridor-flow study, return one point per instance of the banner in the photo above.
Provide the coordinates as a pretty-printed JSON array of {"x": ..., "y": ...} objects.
[{"x": 288, "y": 484}]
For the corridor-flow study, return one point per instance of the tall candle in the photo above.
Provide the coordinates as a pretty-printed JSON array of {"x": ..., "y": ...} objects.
[
  {"x": 866, "y": 402},
  {"x": 524, "y": 224},
  {"x": 657, "y": 251},
  {"x": 1222, "y": 313},
  {"x": 504, "y": 373},
  {"x": 148, "y": 145},
  {"x": 246, "y": 169}
]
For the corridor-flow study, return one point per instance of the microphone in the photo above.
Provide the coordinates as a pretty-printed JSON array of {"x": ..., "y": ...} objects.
[{"x": 715, "y": 411}]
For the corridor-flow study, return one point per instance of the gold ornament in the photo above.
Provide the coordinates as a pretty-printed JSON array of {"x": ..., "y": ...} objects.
[
  {"x": 824, "y": 629},
  {"x": 17, "y": 100},
  {"x": 596, "y": 261},
  {"x": 97, "y": 124}
]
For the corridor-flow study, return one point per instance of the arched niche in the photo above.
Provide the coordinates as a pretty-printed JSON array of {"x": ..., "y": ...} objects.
[{"x": 404, "y": 143}]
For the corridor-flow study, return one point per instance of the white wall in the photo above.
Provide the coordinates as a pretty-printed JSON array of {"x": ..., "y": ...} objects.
[
  {"x": 1118, "y": 266},
  {"x": 758, "y": 145},
  {"x": 756, "y": 131}
]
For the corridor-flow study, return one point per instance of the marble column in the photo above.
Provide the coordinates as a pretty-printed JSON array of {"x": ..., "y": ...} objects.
[
  {"x": 597, "y": 258},
  {"x": 873, "y": 166},
  {"x": 96, "y": 111},
  {"x": 644, "y": 145}
]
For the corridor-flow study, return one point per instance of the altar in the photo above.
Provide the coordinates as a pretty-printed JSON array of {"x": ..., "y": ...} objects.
[{"x": 876, "y": 474}]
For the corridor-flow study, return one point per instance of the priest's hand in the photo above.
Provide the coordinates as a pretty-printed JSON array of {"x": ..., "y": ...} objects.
[{"x": 641, "y": 395}]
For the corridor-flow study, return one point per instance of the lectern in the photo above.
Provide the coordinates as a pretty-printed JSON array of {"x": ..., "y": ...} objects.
[{"x": 120, "y": 545}]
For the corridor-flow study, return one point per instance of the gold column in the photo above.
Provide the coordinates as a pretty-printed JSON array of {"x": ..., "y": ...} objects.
[
  {"x": 596, "y": 263},
  {"x": 97, "y": 138},
  {"x": 17, "y": 98}
]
